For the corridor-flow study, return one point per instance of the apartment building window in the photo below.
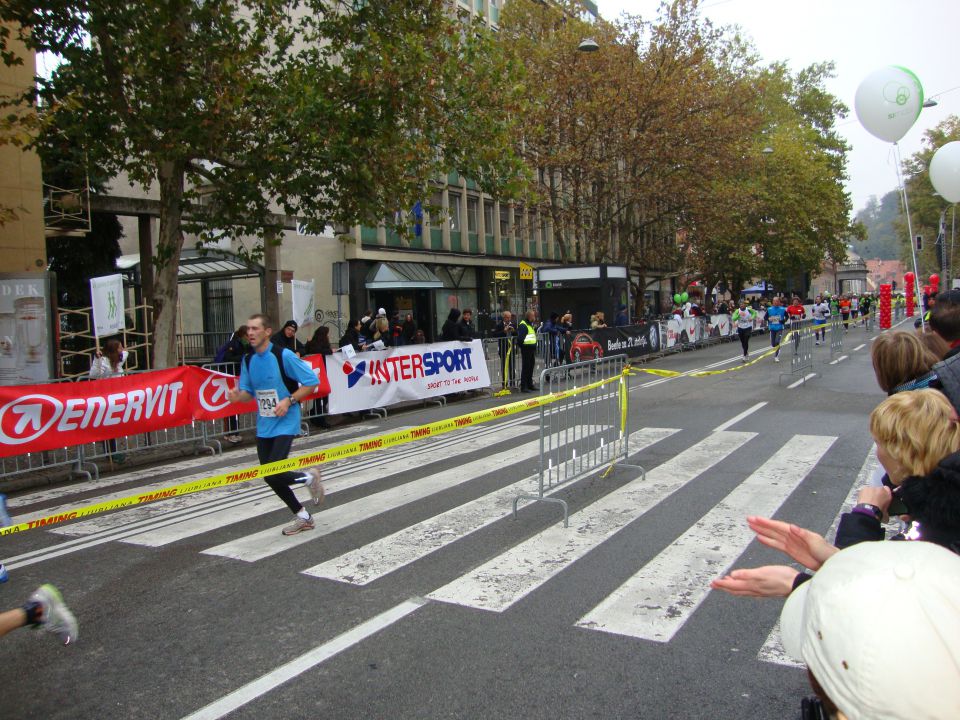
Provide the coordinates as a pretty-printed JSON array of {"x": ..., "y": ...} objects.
[
  {"x": 488, "y": 216},
  {"x": 473, "y": 207},
  {"x": 454, "y": 211},
  {"x": 504, "y": 220}
]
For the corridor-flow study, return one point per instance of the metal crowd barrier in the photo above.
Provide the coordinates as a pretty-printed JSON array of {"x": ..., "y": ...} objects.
[
  {"x": 801, "y": 341},
  {"x": 584, "y": 432},
  {"x": 836, "y": 334}
]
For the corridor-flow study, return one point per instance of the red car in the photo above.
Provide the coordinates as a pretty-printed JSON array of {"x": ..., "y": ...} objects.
[{"x": 584, "y": 346}]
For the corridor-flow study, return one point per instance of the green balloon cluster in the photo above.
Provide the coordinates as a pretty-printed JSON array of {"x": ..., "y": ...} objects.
[{"x": 680, "y": 298}]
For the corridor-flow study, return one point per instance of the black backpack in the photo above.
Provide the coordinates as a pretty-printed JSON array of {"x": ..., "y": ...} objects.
[{"x": 288, "y": 381}]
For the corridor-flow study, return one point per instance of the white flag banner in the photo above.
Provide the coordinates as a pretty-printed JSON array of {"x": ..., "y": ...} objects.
[
  {"x": 304, "y": 303},
  {"x": 400, "y": 374},
  {"x": 108, "y": 307}
]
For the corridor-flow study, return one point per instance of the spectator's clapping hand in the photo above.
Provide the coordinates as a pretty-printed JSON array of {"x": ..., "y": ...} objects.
[
  {"x": 803, "y": 546},
  {"x": 767, "y": 581}
]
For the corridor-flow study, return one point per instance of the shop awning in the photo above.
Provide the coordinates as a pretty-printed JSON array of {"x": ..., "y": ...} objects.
[
  {"x": 401, "y": 276},
  {"x": 195, "y": 266}
]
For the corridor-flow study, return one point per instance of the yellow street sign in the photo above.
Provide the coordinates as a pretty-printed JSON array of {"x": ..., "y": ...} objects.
[{"x": 526, "y": 271}]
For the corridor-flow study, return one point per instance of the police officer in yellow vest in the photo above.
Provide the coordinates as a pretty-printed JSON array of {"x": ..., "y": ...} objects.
[{"x": 527, "y": 339}]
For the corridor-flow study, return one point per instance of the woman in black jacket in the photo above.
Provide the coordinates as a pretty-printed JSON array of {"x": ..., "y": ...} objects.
[
  {"x": 352, "y": 336},
  {"x": 408, "y": 330},
  {"x": 319, "y": 344},
  {"x": 449, "y": 331}
]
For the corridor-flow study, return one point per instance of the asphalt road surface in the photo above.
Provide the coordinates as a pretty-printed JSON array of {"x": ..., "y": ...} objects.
[{"x": 420, "y": 596}]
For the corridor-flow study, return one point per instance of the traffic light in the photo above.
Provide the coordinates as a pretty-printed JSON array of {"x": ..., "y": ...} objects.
[
  {"x": 919, "y": 242},
  {"x": 894, "y": 285}
]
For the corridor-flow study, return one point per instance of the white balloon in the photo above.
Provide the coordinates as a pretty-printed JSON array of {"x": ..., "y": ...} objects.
[
  {"x": 888, "y": 102},
  {"x": 945, "y": 171}
]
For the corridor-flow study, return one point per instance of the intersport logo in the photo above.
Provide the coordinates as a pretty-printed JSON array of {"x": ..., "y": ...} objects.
[
  {"x": 27, "y": 418},
  {"x": 408, "y": 366}
]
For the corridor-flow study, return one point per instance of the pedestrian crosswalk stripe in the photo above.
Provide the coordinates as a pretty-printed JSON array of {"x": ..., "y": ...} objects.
[
  {"x": 772, "y": 649},
  {"x": 270, "y": 542},
  {"x": 655, "y": 602},
  {"x": 383, "y": 556},
  {"x": 499, "y": 583}
]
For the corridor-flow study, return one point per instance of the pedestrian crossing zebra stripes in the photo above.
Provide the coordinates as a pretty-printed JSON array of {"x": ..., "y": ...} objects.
[
  {"x": 499, "y": 583},
  {"x": 382, "y": 557},
  {"x": 653, "y": 604}
]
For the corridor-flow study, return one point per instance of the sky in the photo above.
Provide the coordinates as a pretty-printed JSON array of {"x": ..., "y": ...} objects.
[{"x": 858, "y": 36}]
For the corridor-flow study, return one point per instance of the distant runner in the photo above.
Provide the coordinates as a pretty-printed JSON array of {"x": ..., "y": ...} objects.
[
  {"x": 844, "y": 306},
  {"x": 776, "y": 315},
  {"x": 820, "y": 311},
  {"x": 743, "y": 318},
  {"x": 797, "y": 314}
]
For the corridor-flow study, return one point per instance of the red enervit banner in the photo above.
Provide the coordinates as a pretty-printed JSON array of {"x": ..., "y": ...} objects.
[{"x": 57, "y": 415}]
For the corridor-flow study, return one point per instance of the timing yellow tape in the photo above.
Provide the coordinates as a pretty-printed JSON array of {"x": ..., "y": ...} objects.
[
  {"x": 704, "y": 373},
  {"x": 319, "y": 457}
]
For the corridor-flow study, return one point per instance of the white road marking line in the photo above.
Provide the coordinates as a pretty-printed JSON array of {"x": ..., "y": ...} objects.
[
  {"x": 509, "y": 577},
  {"x": 772, "y": 649},
  {"x": 839, "y": 359},
  {"x": 801, "y": 381},
  {"x": 738, "y": 418},
  {"x": 296, "y": 667},
  {"x": 267, "y": 543},
  {"x": 381, "y": 557},
  {"x": 656, "y": 602},
  {"x": 859, "y": 347}
]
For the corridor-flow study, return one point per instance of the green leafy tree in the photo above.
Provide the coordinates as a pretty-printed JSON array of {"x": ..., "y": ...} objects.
[
  {"x": 783, "y": 210},
  {"x": 339, "y": 112}
]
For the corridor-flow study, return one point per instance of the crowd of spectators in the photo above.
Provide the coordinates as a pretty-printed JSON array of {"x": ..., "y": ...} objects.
[{"x": 894, "y": 562}]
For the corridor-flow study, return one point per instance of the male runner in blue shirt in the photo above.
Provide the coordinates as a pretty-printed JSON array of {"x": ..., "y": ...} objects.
[
  {"x": 775, "y": 317},
  {"x": 278, "y": 413}
]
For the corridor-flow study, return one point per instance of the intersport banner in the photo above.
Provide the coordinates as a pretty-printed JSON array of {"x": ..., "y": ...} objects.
[
  {"x": 58, "y": 415},
  {"x": 410, "y": 372}
]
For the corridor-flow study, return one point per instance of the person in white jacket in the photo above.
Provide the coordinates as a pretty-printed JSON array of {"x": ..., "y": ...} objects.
[{"x": 110, "y": 361}]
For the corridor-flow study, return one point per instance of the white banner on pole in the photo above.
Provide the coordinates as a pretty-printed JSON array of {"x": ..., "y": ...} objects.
[
  {"x": 304, "y": 303},
  {"x": 400, "y": 374},
  {"x": 108, "y": 305}
]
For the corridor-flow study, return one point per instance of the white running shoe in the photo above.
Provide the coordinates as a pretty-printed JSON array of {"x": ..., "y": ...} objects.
[
  {"x": 299, "y": 525},
  {"x": 57, "y": 617},
  {"x": 316, "y": 489},
  {"x": 776, "y": 359}
]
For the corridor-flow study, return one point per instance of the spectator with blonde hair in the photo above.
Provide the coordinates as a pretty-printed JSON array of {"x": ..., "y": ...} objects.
[{"x": 918, "y": 439}]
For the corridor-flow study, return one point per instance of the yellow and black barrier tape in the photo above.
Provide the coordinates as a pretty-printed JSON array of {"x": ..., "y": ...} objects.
[
  {"x": 299, "y": 462},
  {"x": 703, "y": 373}
]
